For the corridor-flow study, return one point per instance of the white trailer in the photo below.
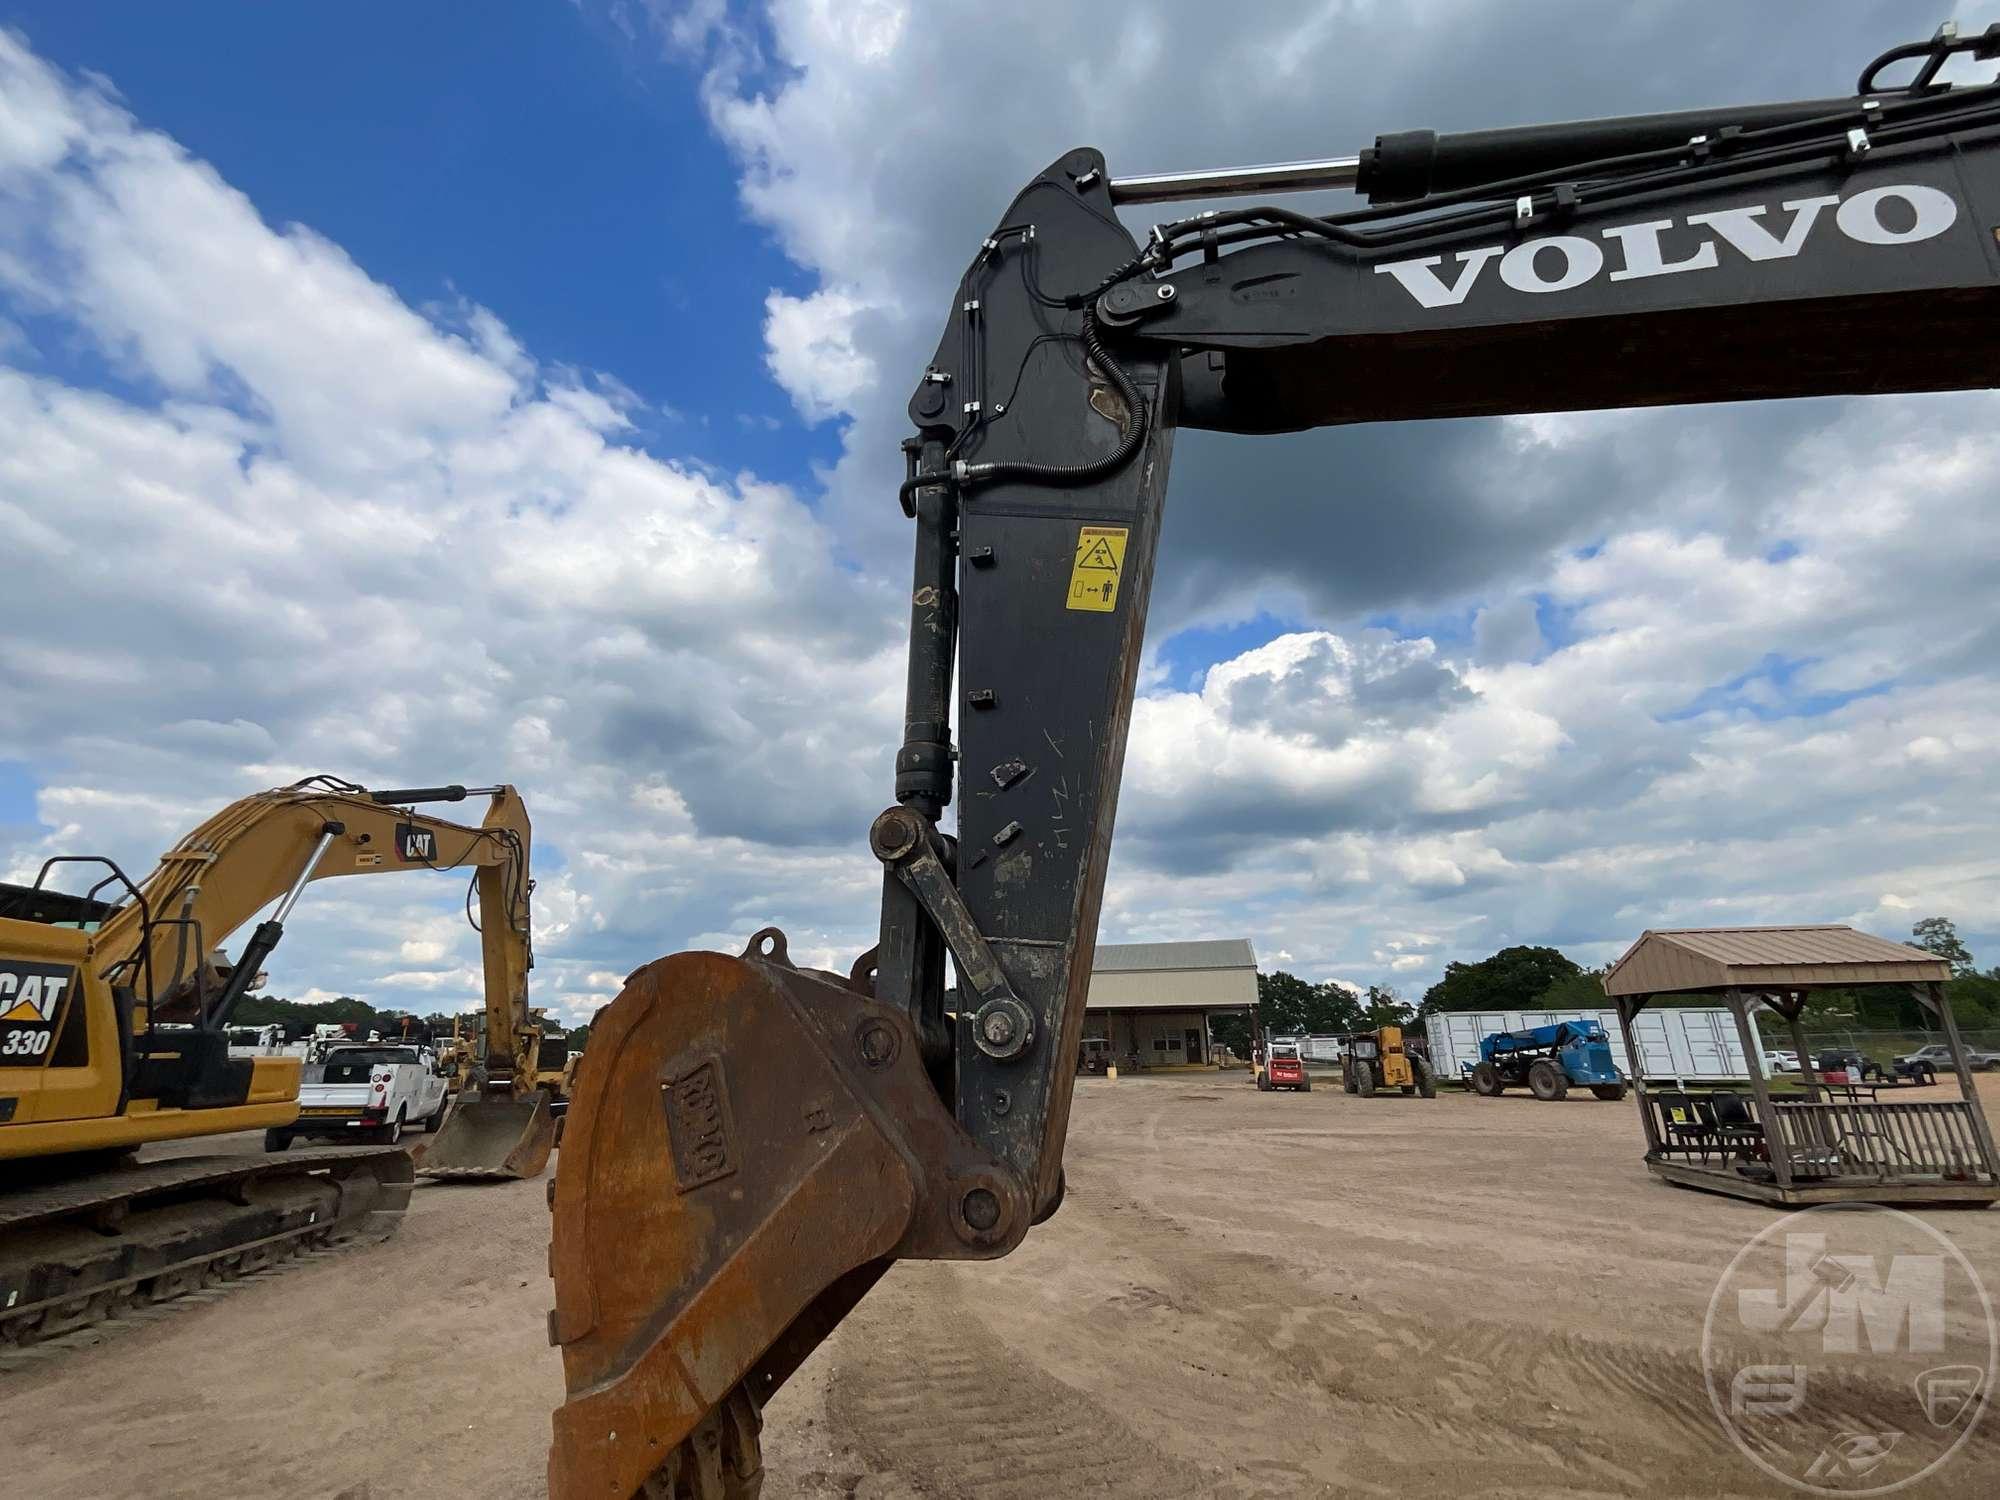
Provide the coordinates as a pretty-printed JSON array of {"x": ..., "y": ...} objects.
[
  {"x": 1324, "y": 1050},
  {"x": 1676, "y": 1044}
]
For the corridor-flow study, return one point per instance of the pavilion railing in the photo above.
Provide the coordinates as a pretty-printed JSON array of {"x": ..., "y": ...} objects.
[{"x": 1883, "y": 1138}]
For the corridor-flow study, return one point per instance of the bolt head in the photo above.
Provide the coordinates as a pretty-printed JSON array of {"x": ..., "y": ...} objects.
[
  {"x": 981, "y": 1209},
  {"x": 999, "y": 1028},
  {"x": 878, "y": 1045}
]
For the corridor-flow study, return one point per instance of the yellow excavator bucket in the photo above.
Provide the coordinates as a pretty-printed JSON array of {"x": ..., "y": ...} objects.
[{"x": 493, "y": 1137}]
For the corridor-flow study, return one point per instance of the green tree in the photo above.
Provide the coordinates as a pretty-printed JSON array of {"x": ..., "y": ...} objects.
[
  {"x": 1975, "y": 1000},
  {"x": 1335, "y": 1009},
  {"x": 1382, "y": 1006},
  {"x": 1289, "y": 1005},
  {"x": 1283, "y": 1001},
  {"x": 1938, "y": 935},
  {"x": 1583, "y": 990},
  {"x": 1231, "y": 1031},
  {"x": 1512, "y": 979},
  {"x": 298, "y": 1017}
]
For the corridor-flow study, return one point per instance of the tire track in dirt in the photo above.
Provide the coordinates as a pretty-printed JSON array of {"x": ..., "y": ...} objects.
[
  {"x": 953, "y": 1411},
  {"x": 1525, "y": 1405},
  {"x": 1403, "y": 1388}
]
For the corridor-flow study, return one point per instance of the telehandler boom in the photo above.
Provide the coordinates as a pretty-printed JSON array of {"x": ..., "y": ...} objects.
[{"x": 751, "y": 1143}]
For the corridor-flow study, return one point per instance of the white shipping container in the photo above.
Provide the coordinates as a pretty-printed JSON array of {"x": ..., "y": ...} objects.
[
  {"x": 1679, "y": 1043},
  {"x": 1320, "y": 1049}
]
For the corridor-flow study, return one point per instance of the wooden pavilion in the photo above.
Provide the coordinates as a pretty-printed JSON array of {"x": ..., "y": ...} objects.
[{"x": 1836, "y": 1142}]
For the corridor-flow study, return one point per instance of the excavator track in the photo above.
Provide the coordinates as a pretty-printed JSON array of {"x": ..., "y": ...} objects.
[{"x": 81, "y": 1251}]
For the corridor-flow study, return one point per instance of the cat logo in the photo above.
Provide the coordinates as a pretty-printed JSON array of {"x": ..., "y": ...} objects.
[
  {"x": 31, "y": 997},
  {"x": 416, "y": 845},
  {"x": 31, "y": 992}
]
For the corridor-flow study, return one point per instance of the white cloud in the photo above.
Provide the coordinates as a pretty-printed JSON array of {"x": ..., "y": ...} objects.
[
  {"x": 811, "y": 351},
  {"x": 1551, "y": 679},
  {"x": 341, "y": 535}
]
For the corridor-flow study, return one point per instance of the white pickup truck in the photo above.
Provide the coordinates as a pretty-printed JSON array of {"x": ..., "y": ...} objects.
[{"x": 367, "y": 1091}]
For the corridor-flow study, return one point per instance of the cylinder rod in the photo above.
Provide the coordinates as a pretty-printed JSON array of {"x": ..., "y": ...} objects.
[
  {"x": 1273, "y": 177},
  {"x": 327, "y": 835}
]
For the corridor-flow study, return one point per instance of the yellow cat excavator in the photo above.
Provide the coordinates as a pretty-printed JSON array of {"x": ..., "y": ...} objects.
[
  {"x": 114, "y": 1014},
  {"x": 752, "y": 1143}
]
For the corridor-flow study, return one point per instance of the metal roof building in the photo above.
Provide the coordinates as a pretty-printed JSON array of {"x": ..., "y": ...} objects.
[
  {"x": 1152, "y": 1001},
  {"x": 1220, "y": 974}
]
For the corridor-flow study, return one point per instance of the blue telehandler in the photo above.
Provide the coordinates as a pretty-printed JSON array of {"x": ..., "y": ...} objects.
[{"x": 1547, "y": 1059}]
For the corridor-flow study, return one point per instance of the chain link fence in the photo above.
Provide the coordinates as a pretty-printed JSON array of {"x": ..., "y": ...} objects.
[{"x": 1880, "y": 1045}]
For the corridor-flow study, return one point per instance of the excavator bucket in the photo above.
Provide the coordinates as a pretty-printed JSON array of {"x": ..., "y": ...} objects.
[
  {"x": 749, "y": 1147},
  {"x": 493, "y": 1138}
]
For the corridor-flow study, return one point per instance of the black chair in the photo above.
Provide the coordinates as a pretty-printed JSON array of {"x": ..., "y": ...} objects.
[
  {"x": 1689, "y": 1123},
  {"x": 1736, "y": 1127}
]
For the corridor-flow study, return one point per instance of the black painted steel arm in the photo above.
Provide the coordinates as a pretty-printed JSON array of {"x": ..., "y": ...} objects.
[
  {"x": 752, "y": 1143},
  {"x": 1831, "y": 247}
]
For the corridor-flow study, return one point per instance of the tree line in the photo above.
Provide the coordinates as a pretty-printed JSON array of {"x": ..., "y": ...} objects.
[
  {"x": 1290, "y": 1006},
  {"x": 299, "y": 1017},
  {"x": 1527, "y": 977}
]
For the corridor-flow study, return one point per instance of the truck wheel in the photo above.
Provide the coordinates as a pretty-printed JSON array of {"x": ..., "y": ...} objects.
[
  {"x": 1486, "y": 1081},
  {"x": 1608, "y": 1090},
  {"x": 1263, "y": 1083},
  {"x": 1347, "y": 1080},
  {"x": 277, "y": 1140},
  {"x": 391, "y": 1133},
  {"x": 1547, "y": 1081},
  {"x": 1427, "y": 1081},
  {"x": 1305, "y": 1083},
  {"x": 436, "y": 1122},
  {"x": 1364, "y": 1080}
]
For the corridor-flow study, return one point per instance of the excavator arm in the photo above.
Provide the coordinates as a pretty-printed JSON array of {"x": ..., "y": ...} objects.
[
  {"x": 263, "y": 851},
  {"x": 752, "y": 1144}
]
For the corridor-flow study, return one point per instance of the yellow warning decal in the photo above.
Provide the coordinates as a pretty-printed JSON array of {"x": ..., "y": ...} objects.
[{"x": 1100, "y": 560}]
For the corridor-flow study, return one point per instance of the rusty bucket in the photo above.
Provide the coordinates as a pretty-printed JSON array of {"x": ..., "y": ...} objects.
[
  {"x": 493, "y": 1138},
  {"x": 726, "y": 1195}
]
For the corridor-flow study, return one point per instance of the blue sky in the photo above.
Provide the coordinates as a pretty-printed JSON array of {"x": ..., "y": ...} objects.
[
  {"x": 527, "y": 157},
  {"x": 513, "y": 392}
]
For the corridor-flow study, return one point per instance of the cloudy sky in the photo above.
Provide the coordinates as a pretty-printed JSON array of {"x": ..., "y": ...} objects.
[{"x": 483, "y": 393}]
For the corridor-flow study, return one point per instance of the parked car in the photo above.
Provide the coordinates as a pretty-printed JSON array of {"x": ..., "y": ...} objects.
[
  {"x": 1938, "y": 1056},
  {"x": 367, "y": 1091},
  {"x": 1777, "y": 1061}
]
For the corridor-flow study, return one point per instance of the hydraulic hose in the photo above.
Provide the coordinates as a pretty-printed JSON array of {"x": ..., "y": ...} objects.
[{"x": 1067, "y": 476}]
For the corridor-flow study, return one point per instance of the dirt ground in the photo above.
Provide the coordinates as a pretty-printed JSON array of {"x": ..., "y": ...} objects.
[{"x": 1245, "y": 1295}]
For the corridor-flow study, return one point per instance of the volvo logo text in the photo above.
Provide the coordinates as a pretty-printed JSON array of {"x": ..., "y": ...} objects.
[{"x": 1562, "y": 262}]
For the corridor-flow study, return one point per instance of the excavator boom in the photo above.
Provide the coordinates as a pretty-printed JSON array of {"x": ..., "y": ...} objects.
[{"x": 751, "y": 1144}]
